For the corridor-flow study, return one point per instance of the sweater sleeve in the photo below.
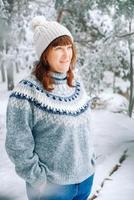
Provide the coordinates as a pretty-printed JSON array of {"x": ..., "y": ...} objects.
[{"x": 20, "y": 142}]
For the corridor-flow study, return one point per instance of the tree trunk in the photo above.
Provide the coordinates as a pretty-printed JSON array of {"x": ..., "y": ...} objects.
[
  {"x": 114, "y": 79},
  {"x": 10, "y": 77},
  {"x": 131, "y": 104},
  {"x": 130, "y": 109},
  {"x": 3, "y": 73},
  {"x": 17, "y": 67}
]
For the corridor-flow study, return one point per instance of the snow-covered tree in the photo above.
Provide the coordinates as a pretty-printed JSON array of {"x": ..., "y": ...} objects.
[
  {"x": 123, "y": 8},
  {"x": 18, "y": 45}
]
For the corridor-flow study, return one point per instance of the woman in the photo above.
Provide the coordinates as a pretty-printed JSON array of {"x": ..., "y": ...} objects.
[{"x": 48, "y": 121}]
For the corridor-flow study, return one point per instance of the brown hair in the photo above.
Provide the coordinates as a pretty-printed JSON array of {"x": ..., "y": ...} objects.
[{"x": 42, "y": 69}]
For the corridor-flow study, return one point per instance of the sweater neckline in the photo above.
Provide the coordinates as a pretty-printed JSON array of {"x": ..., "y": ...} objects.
[{"x": 59, "y": 78}]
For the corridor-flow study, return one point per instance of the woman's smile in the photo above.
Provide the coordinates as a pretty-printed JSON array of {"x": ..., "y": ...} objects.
[{"x": 60, "y": 57}]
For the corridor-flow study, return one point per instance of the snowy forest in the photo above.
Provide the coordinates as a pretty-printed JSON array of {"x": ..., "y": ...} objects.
[{"x": 103, "y": 31}]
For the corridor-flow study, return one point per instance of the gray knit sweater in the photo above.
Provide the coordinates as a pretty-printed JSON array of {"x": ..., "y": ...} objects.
[{"x": 48, "y": 133}]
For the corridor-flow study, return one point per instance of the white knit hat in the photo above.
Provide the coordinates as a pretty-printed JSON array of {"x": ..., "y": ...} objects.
[{"x": 45, "y": 32}]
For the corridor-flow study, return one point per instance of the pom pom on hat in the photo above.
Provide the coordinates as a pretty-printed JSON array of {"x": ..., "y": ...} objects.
[
  {"x": 45, "y": 32},
  {"x": 38, "y": 21}
]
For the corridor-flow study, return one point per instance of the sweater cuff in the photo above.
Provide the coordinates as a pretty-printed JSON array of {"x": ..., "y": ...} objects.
[{"x": 38, "y": 181}]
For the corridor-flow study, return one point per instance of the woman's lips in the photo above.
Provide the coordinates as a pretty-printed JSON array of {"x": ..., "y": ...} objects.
[{"x": 64, "y": 61}]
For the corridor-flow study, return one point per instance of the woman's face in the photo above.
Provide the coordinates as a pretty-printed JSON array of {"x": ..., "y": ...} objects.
[{"x": 59, "y": 58}]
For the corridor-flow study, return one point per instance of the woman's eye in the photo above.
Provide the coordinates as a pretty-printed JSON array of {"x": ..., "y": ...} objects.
[{"x": 58, "y": 48}]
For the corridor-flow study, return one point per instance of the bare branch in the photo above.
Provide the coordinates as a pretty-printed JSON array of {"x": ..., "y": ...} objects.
[
  {"x": 61, "y": 12},
  {"x": 125, "y": 35}
]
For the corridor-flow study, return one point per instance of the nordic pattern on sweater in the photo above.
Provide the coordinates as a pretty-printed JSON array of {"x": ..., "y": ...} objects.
[{"x": 48, "y": 133}]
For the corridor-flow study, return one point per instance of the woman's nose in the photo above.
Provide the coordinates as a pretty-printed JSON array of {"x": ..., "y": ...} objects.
[{"x": 66, "y": 52}]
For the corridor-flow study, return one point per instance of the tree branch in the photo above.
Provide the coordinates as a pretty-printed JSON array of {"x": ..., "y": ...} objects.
[
  {"x": 60, "y": 14},
  {"x": 125, "y": 35}
]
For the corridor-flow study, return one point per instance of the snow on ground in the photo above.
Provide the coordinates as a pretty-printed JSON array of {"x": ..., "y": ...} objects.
[
  {"x": 113, "y": 134},
  {"x": 121, "y": 184}
]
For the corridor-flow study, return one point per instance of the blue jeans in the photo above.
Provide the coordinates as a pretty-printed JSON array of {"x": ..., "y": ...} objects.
[{"x": 79, "y": 191}]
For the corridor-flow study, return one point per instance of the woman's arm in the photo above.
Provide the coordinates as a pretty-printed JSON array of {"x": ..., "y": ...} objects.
[{"x": 20, "y": 142}]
